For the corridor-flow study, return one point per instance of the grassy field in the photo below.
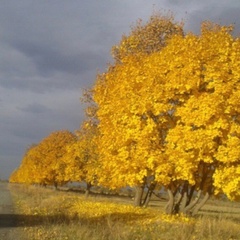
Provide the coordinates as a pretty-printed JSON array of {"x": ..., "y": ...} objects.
[{"x": 48, "y": 214}]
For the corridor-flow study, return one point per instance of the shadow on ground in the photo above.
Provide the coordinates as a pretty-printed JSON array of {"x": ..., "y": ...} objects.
[{"x": 23, "y": 220}]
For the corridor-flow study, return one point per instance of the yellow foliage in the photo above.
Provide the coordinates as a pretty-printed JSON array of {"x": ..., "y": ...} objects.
[
  {"x": 82, "y": 156},
  {"x": 227, "y": 180},
  {"x": 90, "y": 209},
  {"x": 147, "y": 37},
  {"x": 44, "y": 163},
  {"x": 168, "y": 112}
]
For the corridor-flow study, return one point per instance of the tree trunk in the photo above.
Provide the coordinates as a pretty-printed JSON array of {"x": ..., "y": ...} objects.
[
  {"x": 55, "y": 186},
  {"x": 190, "y": 195},
  {"x": 184, "y": 202},
  {"x": 149, "y": 194},
  {"x": 147, "y": 198},
  {"x": 169, "y": 206},
  {"x": 176, "y": 206},
  {"x": 191, "y": 205},
  {"x": 87, "y": 192},
  {"x": 138, "y": 196},
  {"x": 201, "y": 204}
]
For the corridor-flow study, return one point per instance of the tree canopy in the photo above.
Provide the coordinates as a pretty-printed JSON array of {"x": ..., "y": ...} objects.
[
  {"x": 43, "y": 163},
  {"x": 173, "y": 114}
]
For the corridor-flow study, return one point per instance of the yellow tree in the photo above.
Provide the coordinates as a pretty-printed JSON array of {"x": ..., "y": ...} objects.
[
  {"x": 173, "y": 114},
  {"x": 14, "y": 177},
  {"x": 51, "y": 151},
  {"x": 205, "y": 78},
  {"x": 28, "y": 171},
  {"x": 43, "y": 163},
  {"x": 82, "y": 156},
  {"x": 127, "y": 92}
]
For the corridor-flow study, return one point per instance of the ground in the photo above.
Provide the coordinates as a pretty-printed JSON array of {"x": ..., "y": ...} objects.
[{"x": 9, "y": 226}]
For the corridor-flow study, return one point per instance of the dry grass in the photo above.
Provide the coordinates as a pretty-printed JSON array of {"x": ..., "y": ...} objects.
[{"x": 48, "y": 214}]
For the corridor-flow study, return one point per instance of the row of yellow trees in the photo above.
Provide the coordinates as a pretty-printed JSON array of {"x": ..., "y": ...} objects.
[
  {"x": 60, "y": 158},
  {"x": 164, "y": 114}
]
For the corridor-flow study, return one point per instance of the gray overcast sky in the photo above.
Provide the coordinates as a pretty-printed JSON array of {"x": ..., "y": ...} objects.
[{"x": 50, "y": 50}]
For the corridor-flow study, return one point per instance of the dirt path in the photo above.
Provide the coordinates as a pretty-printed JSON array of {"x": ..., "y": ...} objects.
[{"x": 8, "y": 220}]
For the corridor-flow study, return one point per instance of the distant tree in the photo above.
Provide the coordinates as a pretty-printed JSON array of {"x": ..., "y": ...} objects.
[
  {"x": 82, "y": 156},
  {"x": 14, "y": 177},
  {"x": 52, "y": 150},
  {"x": 28, "y": 171},
  {"x": 43, "y": 163}
]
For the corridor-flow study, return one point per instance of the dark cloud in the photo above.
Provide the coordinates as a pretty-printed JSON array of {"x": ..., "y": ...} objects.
[
  {"x": 49, "y": 46},
  {"x": 224, "y": 15},
  {"x": 50, "y": 68},
  {"x": 49, "y": 60},
  {"x": 35, "y": 108}
]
